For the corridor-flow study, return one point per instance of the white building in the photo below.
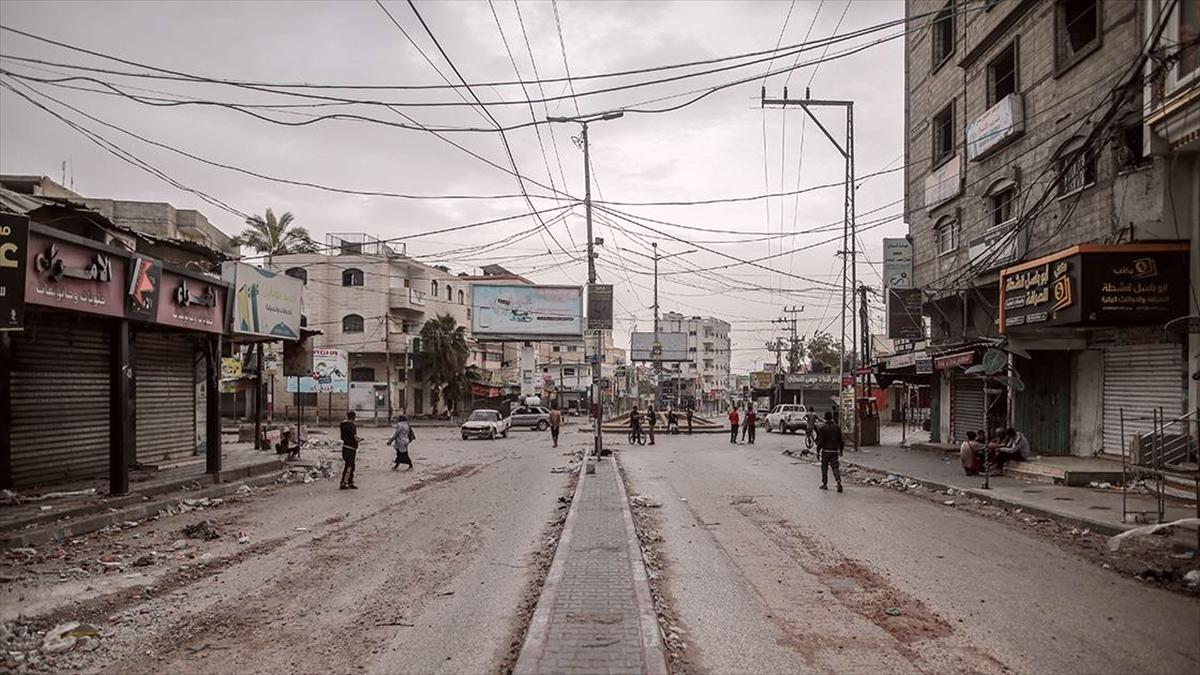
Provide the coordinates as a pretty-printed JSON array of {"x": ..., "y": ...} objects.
[{"x": 702, "y": 380}]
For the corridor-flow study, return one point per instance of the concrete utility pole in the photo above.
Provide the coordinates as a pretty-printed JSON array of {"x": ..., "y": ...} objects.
[
  {"x": 657, "y": 362},
  {"x": 849, "y": 233},
  {"x": 591, "y": 260}
]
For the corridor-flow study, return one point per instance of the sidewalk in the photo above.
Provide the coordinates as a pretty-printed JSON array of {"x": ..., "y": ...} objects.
[
  {"x": 1095, "y": 509},
  {"x": 595, "y": 613}
]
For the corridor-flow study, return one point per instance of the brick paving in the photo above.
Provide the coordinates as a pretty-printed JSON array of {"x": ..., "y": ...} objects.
[{"x": 596, "y": 618}]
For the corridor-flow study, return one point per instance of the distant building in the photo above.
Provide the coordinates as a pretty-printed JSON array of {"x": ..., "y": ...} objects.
[{"x": 703, "y": 380}]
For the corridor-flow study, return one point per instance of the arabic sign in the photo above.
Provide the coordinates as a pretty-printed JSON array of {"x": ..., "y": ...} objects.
[
  {"x": 659, "y": 346},
  {"x": 14, "y": 245},
  {"x": 897, "y": 263},
  {"x": 328, "y": 374},
  {"x": 904, "y": 313},
  {"x": 761, "y": 379},
  {"x": 69, "y": 276},
  {"x": 952, "y": 360},
  {"x": 142, "y": 295},
  {"x": 599, "y": 306},
  {"x": 1000, "y": 123},
  {"x": 997, "y": 247},
  {"x": 192, "y": 303},
  {"x": 521, "y": 312},
  {"x": 265, "y": 303},
  {"x": 1102, "y": 285},
  {"x": 924, "y": 364},
  {"x": 810, "y": 381}
]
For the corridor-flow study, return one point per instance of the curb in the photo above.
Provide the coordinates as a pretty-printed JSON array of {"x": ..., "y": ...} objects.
[
  {"x": 138, "y": 510},
  {"x": 654, "y": 656},
  {"x": 1099, "y": 527},
  {"x": 538, "y": 632}
]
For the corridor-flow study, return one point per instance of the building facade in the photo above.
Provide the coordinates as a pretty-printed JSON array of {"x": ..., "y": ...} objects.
[
  {"x": 1027, "y": 174},
  {"x": 702, "y": 381}
]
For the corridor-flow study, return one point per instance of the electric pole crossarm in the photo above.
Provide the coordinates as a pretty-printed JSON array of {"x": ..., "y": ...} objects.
[{"x": 804, "y": 106}]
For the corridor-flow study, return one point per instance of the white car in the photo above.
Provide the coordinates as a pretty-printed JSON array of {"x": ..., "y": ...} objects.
[
  {"x": 787, "y": 417},
  {"x": 485, "y": 424}
]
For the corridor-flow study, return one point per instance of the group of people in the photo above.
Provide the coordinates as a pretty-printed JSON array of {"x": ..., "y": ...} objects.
[
  {"x": 979, "y": 451},
  {"x": 402, "y": 435},
  {"x": 748, "y": 423},
  {"x": 651, "y": 420}
]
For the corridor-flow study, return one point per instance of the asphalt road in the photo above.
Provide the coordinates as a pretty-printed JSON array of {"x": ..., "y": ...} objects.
[
  {"x": 768, "y": 574},
  {"x": 421, "y": 571}
]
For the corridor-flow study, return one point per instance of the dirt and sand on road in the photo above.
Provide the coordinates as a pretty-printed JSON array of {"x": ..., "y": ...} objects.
[{"x": 422, "y": 571}]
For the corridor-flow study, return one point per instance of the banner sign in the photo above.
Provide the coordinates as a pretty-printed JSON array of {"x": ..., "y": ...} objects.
[
  {"x": 810, "y": 381},
  {"x": 1097, "y": 285},
  {"x": 761, "y": 380},
  {"x": 142, "y": 296},
  {"x": 265, "y": 303},
  {"x": 191, "y": 303},
  {"x": 897, "y": 263},
  {"x": 599, "y": 306},
  {"x": 1001, "y": 122},
  {"x": 520, "y": 312},
  {"x": 328, "y": 376},
  {"x": 14, "y": 248},
  {"x": 659, "y": 346},
  {"x": 952, "y": 360},
  {"x": 72, "y": 277},
  {"x": 904, "y": 313}
]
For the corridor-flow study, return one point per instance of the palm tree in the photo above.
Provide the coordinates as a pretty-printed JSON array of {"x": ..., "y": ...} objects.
[
  {"x": 444, "y": 344},
  {"x": 266, "y": 234}
]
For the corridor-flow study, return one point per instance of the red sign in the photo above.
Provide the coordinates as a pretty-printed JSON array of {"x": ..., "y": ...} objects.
[
  {"x": 192, "y": 303},
  {"x": 69, "y": 276},
  {"x": 847, "y": 380},
  {"x": 948, "y": 362}
]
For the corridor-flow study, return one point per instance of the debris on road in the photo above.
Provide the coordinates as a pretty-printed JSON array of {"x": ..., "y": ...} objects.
[
  {"x": 243, "y": 538},
  {"x": 1114, "y": 543},
  {"x": 645, "y": 501},
  {"x": 893, "y": 611},
  {"x": 1192, "y": 579},
  {"x": 201, "y": 530},
  {"x": 66, "y": 636},
  {"x": 741, "y": 499}
]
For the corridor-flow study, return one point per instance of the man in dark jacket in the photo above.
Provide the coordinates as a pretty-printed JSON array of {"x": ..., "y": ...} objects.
[
  {"x": 829, "y": 440},
  {"x": 349, "y": 450}
]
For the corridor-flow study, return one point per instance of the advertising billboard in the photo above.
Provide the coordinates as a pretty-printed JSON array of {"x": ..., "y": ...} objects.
[
  {"x": 658, "y": 347},
  {"x": 265, "y": 303},
  {"x": 329, "y": 374},
  {"x": 600, "y": 307},
  {"x": 897, "y": 263},
  {"x": 520, "y": 312},
  {"x": 904, "y": 313}
]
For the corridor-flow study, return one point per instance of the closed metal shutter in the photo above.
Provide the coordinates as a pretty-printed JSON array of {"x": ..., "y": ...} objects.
[
  {"x": 966, "y": 406},
  {"x": 60, "y": 399},
  {"x": 1139, "y": 380},
  {"x": 164, "y": 372}
]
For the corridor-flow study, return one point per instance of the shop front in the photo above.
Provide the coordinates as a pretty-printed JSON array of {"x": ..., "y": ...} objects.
[
  {"x": 1092, "y": 318},
  {"x": 113, "y": 365}
]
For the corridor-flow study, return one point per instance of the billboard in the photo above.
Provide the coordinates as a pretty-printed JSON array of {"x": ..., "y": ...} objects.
[
  {"x": 897, "y": 263},
  {"x": 600, "y": 307},
  {"x": 329, "y": 374},
  {"x": 265, "y": 303},
  {"x": 520, "y": 312},
  {"x": 904, "y": 313},
  {"x": 761, "y": 379},
  {"x": 658, "y": 347}
]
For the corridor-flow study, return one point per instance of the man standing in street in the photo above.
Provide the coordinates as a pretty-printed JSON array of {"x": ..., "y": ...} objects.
[
  {"x": 751, "y": 422},
  {"x": 555, "y": 423},
  {"x": 689, "y": 416},
  {"x": 350, "y": 442},
  {"x": 651, "y": 420},
  {"x": 829, "y": 440},
  {"x": 733, "y": 424}
]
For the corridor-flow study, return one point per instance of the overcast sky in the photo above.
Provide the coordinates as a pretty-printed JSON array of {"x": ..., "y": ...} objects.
[{"x": 714, "y": 148}]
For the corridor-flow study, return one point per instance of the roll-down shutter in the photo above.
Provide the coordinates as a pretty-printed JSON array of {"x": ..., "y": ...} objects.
[
  {"x": 60, "y": 399},
  {"x": 1138, "y": 380},
  {"x": 164, "y": 373},
  {"x": 967, "y": 406}
]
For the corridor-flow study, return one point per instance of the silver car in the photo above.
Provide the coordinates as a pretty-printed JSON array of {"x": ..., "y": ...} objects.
[{"x": 532, "y": 416}]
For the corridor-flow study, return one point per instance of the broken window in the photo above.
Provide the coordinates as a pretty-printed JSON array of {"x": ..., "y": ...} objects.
[
  {"x": 1002, "y": 75},
  {"x": 1077, "y": 30},
  {"x": 943, "y": 134}
]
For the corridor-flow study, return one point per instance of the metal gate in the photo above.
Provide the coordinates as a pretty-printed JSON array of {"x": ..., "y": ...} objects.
[
  {"x": 966, "y": 406},
  {"x": 60, "y": 399},
  {"x": 164, "y": 372},
  {"x": 1139, "y": 379},
  {"x": 1043, "y": 409}
]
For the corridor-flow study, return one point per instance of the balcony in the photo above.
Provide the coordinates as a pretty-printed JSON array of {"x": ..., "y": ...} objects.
[{"x": 406, "y": 298}]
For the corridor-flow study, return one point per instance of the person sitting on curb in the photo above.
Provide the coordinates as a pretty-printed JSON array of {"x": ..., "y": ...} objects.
[
  {"x": 971, "y": 454},
  {"x": 1013, "y": 447}
]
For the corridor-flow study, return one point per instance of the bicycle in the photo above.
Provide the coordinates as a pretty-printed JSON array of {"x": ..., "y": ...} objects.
[{"x": 636, "y": 437}]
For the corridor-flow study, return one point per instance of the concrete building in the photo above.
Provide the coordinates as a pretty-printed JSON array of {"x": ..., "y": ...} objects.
[
  {"x": 1027, "y": 175},
  {"x": 703, "y": 380}
]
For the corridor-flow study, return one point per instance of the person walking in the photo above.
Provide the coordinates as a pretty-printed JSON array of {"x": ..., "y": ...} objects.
[
  {"x": 555, "y": 423},
  {"x": 829, "y": 440},
  {"x": 350, "y": 441},
  {"x": 635, "y": 425},
  {"x": 672, "y": 421},
  {"x": 402, "y": 435},
  {"x": 751, "y": 423},
  {"x": 651, "y": 420},
  {"x": 689, "y": 420},
  {"x": 733, "y": 424}
]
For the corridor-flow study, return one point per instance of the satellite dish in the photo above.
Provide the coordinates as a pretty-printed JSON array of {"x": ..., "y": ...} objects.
[{"x": 1184, "y": 325}]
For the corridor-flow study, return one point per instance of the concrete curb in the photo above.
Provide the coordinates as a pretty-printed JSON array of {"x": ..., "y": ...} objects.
[
  {"x": 538, "y": 632},
  {"x": 1099, "y": 527},
  {"x": 99, "y": 516},
  {"x": 654, "y": 655}
]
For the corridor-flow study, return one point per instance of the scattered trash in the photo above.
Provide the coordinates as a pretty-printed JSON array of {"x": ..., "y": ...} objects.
[
  {"x": 446, "y": 593},
  {"x": 1101, "y": 485},
  {"x": 192, "y": 485},
  {"x": 1192, "y": 578},
  {"x": 301, "y": 529},
  {"x": 110, "y": 561},
  {"x": 893, "y": 611},
  {"x": 27, "y": 552},
  {"x": 646, "y": 502},
  {"x": 65, "y": 636},
  {"x": 1114, "y": 543},
  {"x": 145, "y": 561},
  {"x": 201, "y": 530},
  {"x": 179, "y": 544},
  {"x": 1186, "y": 555},
  {"x": 244, "y": 489},
  {"x": 570, "y": 468},
  {"x": 243, "y": 538},
  {"x": 744, "y": 499},
  {"x": 46, "y": 508},
  {"x": 683, "y": 499}
]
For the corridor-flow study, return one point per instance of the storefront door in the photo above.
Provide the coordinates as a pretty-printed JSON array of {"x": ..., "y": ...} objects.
[{"x": 1043, "y": 410}]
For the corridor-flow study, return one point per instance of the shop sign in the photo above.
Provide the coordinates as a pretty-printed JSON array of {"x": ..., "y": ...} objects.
[
  {"x": 14, "y": 246},
  {"x": 743, "y": 381},
  {"x": 192, "y": 303},
  {"x": 70, "y": 276},
  {"x": 902, "y": 361},
  {"x": 599, "y": 306},
  {"x": 904, "y": 313},
  {"x": 897, "y": 263},
  {"x": 924, "y": 364},
  {"x": 1101, "y": 285},
  {"x": 997, "y": 247},
  {"x": 142, "y": 295},
  {"x": 761, "y": 379},
  {"x": 953, "y": 360},
  {"x": 265, "y": 303},
  {"x": 999, "y": 124},
  {"x": 810, "y": 381}
]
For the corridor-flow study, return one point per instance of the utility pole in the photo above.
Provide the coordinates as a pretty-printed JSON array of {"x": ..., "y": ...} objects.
[
  {"x": 657, "y": 362},
  {"x": 849, "y": 232},
  {"x": 387, "y": 350},
  {"x": 591, "y": 261}
]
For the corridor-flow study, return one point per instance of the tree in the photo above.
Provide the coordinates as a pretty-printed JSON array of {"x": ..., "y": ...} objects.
[
  {"x": 795, "y": 355},
  {"x": 444, "y": 344},
  {"x": 266, "y": 234},
  {"x": 822, "y": 348}
]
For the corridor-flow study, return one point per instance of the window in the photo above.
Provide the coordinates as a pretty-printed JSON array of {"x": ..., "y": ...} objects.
[
  {"x": 461, "y": 297},
  {"x": 308, "y": 400},
  {"x": 943, "y": 35},
  {"x": 945, "y": 231},
  {"x": 433, "y": 288},
  {"x": 1129, "y": 150},
  {"x": 362, "y": 374},
  {"x": 573, "y": 348},
  {"x": 569, "y": 372},
  {"x": 1002, "y": 205},
  {"x": 298, "y": 273},
  {"x": 1076, "y": 166},
  {"x": 1076, "y": 31},
  {"x": 943, "y": 134},
  {"x": 1002, "y": 75},
  {"x": 1182, "y": 28},
  {"x": 352, "y": 323},
  {"x": 556, "y": 348},
  {"x": 352, "y": 277},
  {"x": 303, "y": 320},
  {"x": 449, "y": 293}
]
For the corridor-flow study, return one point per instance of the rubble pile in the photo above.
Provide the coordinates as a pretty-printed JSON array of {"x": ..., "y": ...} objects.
[{"x": 306, "y": 471}]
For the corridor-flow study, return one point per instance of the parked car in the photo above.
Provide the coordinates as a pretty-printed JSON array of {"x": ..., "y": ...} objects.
[
  {"x": 485, "y": 424},
  {"x": 787, "y": 417},
  {"x": 531, "y": 416}
]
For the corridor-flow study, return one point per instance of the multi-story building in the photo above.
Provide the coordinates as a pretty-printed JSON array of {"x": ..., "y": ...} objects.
[
  {"x": 369, "y": 299},
  {"x": 1027, "y": 186},
  {"x": 703, "y": 380}
]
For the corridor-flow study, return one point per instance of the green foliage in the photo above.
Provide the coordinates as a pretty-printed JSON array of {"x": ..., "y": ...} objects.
[
  {"x": 445, "y": 354},
  {"x": 272, "y": 236},
  {"x": 822, "y": 347}
]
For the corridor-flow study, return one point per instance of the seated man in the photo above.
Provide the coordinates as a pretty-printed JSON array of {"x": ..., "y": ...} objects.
[
  {"x": 971, "y": 454},
  {"x": 1015, "y": 448}
]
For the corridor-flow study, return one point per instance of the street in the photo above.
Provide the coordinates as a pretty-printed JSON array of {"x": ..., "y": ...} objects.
[{"x": 767, "y": 573}]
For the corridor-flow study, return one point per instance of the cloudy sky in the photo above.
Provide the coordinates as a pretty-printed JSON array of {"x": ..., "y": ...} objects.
[{"x": 722, "y": 146}]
